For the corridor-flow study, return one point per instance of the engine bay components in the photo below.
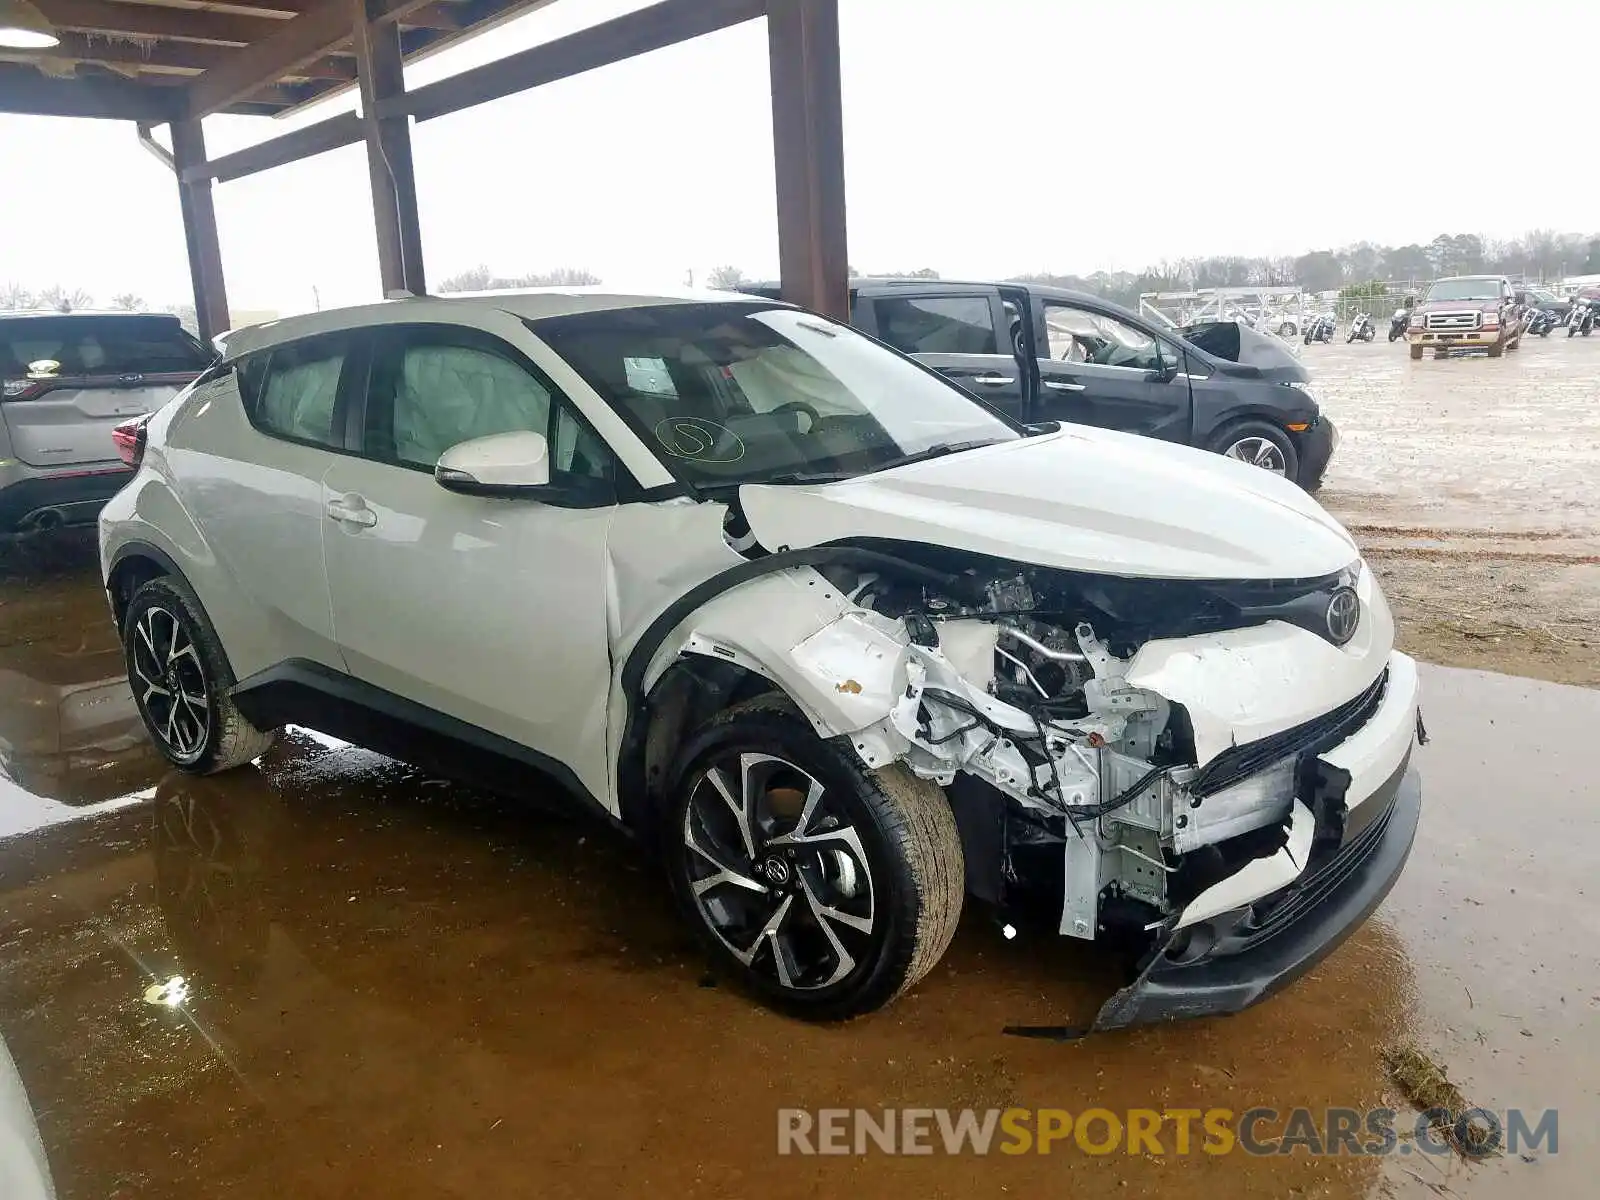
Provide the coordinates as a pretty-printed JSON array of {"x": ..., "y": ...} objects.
[{"x": 1019, "y": 679}]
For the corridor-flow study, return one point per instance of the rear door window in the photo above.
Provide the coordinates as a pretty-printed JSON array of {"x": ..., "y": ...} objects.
[
  {"x": 938, "y": 324},
  {"x": 91, "y": 346}
]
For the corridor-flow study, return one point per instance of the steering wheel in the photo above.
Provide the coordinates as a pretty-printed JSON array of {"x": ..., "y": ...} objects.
[{"x": 799, "y": 406}]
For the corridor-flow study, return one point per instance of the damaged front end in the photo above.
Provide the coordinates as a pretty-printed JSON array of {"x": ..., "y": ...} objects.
[{"x": 1187, "y": 768}]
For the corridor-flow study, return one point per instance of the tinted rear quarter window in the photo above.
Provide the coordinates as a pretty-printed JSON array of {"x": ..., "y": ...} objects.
[
  {"x": 937, "y": 324},
  {"x": 96, "y": 345},
  {"x": 291, "y": 391}
]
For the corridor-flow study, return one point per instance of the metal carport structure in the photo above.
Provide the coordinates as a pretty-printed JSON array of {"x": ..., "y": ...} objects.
[{"x": 152, "y": 62}]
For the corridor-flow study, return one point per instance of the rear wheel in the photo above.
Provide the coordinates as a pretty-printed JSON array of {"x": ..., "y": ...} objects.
[
  {"x": 825, "y": 888},
  {"x": 1260, "y": 444},
  {"x": 181, "y": 680}
]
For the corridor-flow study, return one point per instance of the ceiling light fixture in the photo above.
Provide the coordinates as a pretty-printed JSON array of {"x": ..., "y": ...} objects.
[{"x": 24, "y": 27}]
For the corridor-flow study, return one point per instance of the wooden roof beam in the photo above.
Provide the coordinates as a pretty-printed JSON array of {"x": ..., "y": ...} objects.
[
  {"x": 662, "y": 24},
  {"x": 25, "y": 90},
  {"x": 298, "y": 41},
  {"x": 186, "y": 56},
  {"x": 148, "y": 20}
]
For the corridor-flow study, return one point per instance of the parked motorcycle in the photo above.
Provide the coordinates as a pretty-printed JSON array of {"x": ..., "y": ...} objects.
[
  {"x": 1361, "y": 326},
  {"x": 1398, "y": 323},
  {"x": 1580, "y": 317},
  {"x": 1542, "y": 322},
  {"x": 1319, "y": 329}
]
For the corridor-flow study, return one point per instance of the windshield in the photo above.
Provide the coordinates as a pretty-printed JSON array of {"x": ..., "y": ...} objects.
[
  {"x": 727, "y": 394},
  {"x": 1465, "y": 289}
]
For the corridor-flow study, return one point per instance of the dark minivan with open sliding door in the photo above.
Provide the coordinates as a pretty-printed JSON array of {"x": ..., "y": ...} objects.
[{"x": 1048, "y": 354}]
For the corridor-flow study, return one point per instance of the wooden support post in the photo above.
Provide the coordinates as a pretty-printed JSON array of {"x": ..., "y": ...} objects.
[
  {"x": 808, "y": 149},
  {"x": 394, "y": 185},
  {"x": 200, "y": 231}
]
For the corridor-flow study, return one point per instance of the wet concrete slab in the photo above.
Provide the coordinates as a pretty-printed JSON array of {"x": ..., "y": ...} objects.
[{"x": 394, "y": 987}]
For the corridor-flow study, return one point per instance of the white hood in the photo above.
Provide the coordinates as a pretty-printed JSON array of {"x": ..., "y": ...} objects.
[{"x": 1082, "y": 499}]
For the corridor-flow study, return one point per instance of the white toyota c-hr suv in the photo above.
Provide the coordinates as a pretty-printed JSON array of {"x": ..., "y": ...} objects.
[{"x": 838, "y": 642}]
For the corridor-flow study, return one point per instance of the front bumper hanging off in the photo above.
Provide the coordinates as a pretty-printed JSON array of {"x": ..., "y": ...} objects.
[
  {"x": 1278, "y": 917},
  {"x": 1231, "y": 960}
]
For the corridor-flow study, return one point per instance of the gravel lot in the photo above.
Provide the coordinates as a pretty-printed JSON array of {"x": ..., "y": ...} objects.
[{"x": 1474, "y": 487}]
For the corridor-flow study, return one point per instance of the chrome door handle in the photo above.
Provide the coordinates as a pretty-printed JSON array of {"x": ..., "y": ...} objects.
[
  {"x": 348, "y": 512},
  {"x": 992, "y": 380},
  {"x": 1064, "y": 387}
]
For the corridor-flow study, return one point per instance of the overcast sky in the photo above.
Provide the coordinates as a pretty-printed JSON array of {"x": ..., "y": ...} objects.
[{"x": 982, "y": 138}]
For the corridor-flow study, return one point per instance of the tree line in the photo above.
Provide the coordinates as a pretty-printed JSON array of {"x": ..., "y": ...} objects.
[
  {"x": 1356, "y": 270},
  {"x": 14, "y": 297},
  {"x": 1538, "y": 255},
  {"x": 482, "y": 279}
]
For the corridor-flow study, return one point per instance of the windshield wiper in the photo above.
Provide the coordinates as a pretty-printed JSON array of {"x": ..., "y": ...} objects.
[
  {"x": 806, "y": 477},
  {"x": 938, "y": 450}
]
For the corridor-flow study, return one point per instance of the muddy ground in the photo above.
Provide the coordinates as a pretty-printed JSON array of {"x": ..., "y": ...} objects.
[
  {"x": 1473, "y": 486},
  {"x": 399, "y": 988}
]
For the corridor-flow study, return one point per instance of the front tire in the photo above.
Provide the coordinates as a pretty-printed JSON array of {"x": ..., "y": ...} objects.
[
  {"x": 826, "y": 889},
  {"x": 1496, "y": 350},
  {"x": 1261, "y": 444},
  {"x": 1416, "y": 352},
  {"x": 181, "y": 682}
]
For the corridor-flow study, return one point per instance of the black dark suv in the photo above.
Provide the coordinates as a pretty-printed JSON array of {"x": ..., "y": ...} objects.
[{"x": 1044, "y": 353}]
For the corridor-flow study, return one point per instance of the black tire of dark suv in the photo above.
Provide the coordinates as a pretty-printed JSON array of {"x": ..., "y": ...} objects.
[{"x": 1265, "y": 431}]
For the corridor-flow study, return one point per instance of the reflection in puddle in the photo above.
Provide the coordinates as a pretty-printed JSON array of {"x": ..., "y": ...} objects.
[
  {"x": 71, "y": 742},
  {"x": 395, "y": 987}
]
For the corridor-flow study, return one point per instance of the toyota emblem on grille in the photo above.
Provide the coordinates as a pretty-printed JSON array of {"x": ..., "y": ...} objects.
[{"x": 1344, "y": 614}]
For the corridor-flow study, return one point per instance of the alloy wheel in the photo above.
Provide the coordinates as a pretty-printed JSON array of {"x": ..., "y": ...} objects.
[
  {"x": 170, "y": 684},
  {"x": 777, "y": 872},
  {"x": 1258, "y": 452}
]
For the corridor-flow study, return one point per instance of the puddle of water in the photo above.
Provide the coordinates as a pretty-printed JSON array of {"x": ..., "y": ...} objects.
[{"x": 397, "y": 987}]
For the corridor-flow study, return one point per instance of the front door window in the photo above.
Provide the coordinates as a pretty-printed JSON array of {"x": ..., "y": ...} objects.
[{"x": 1080, "y": 335}]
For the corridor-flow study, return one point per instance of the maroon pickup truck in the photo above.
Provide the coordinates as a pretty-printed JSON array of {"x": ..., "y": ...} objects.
[{"x": 1467, "y": 312}]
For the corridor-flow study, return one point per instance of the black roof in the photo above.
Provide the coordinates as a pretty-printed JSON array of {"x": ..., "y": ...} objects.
[
  {"x": 85, "y": 314},
  {"x": 890, "y": 283}
]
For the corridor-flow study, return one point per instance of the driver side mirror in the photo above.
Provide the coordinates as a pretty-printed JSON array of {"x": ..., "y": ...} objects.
[
  {"x": 502, "y": 464},
  {"x": 1519, "y": 297}
]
